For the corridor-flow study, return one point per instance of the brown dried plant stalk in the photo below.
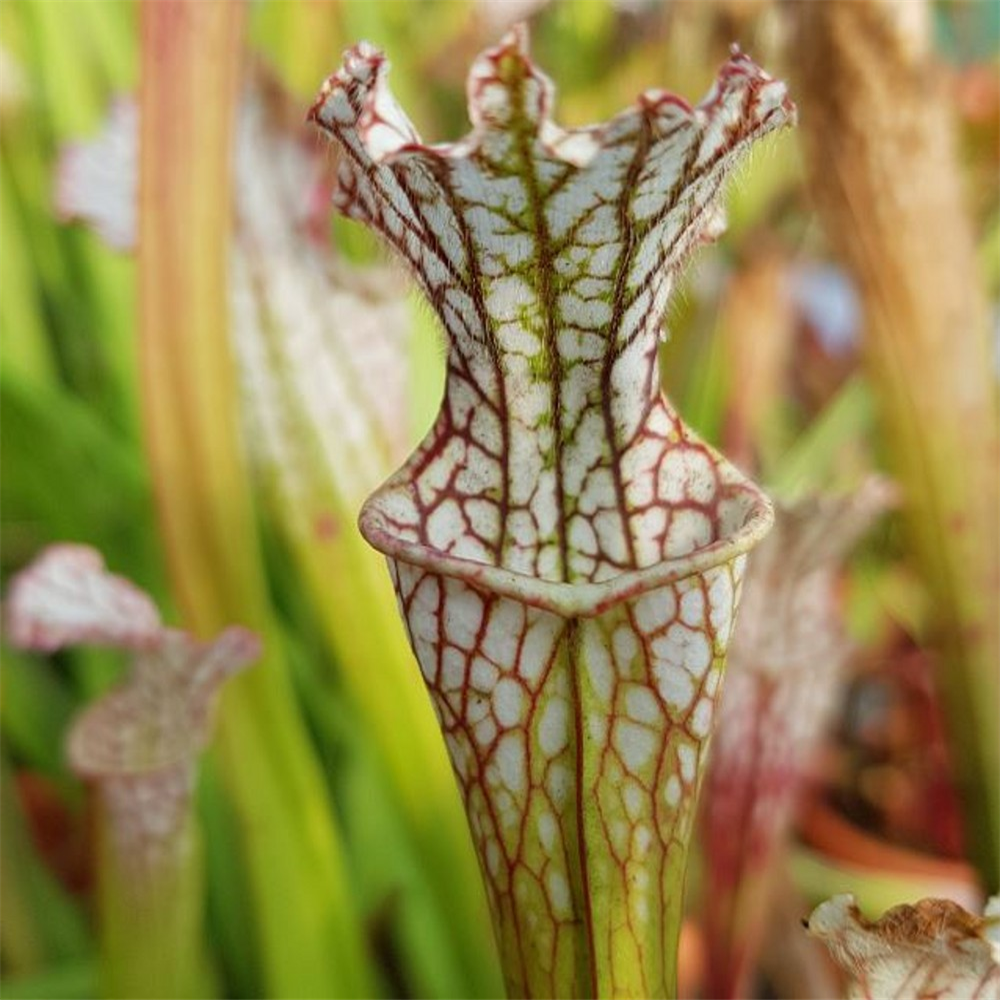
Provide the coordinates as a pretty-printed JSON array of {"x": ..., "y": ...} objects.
[{"x": 879, "y": 136}]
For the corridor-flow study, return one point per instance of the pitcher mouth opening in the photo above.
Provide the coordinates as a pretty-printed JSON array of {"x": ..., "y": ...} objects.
[{"x": 568, "y": 600}]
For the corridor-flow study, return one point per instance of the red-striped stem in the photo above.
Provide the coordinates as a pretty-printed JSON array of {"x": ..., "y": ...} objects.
[{"x": 786, "y": 668}]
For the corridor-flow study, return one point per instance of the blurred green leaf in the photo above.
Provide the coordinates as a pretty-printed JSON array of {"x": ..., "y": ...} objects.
[
  {"x": 64, "y": 981},
  {"x": 41, "y": 925}
]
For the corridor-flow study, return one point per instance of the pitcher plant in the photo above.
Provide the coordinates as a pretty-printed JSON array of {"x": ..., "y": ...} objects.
[{"x": 566, "y": 553}]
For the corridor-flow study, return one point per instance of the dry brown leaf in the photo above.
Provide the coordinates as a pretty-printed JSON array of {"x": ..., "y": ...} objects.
[{"x": 933, "y": 948}]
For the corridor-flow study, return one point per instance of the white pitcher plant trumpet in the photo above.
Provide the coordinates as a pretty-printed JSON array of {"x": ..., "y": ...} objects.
[{"x": 566, "y": 553}]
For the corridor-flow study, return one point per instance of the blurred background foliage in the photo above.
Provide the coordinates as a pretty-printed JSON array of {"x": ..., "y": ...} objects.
[{"x": 765, "y": 358}]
